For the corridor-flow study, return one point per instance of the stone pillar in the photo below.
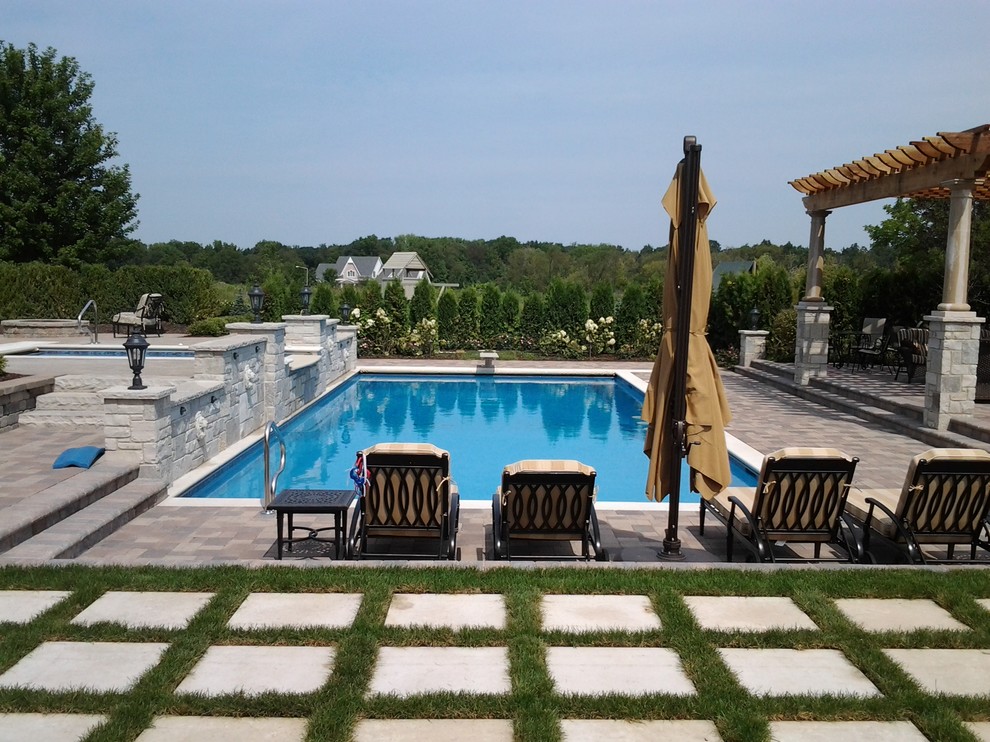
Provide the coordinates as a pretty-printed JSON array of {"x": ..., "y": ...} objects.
[
  {"x": 956, "y": 282},
  {"x": 950, "y": 377},
  {"x": 273, "y": 374},
  {"x": 237, "y": 361},
  {"x": 816, "y": 257},
  {"x": 752, "y": 346},
  {"x": 811, "y": 346},
  {"x": 139, "y": 420}
]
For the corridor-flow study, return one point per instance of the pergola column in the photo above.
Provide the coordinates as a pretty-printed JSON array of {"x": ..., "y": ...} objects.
[
  {"x": 811, "y": 343},
  {"x": 816, "y": 256},
  {"x": 953, "y": 330}
]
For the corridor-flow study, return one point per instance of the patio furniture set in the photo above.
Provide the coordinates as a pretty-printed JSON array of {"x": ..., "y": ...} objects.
[
  {"x": 407, "y": 494},
  {"x": 895, "y": 349},
  {"x": 804, "y": 496}
]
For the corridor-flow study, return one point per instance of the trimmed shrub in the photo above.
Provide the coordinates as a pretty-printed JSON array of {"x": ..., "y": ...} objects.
[
  {"x": 783, "y": 336},
  {"x": 447, "y": 319},
  {"x": 213, "y": 327}
]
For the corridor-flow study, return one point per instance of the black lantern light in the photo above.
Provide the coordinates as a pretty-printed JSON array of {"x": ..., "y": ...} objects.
[
  {"x": 136, "y": 347},
  {"x": 257, "y": 297},
  {"x": 754, "y": 318},
  {"x": 345, "y": 312},
  {"x": 304, "y": 297}
]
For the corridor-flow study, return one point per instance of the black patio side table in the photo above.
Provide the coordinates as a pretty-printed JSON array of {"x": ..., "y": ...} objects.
[{"x": 312, "y": 502}]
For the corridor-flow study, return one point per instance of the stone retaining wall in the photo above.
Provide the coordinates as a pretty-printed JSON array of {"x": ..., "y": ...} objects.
[
  {"x": 241, "y": 382},
  {"x": 19, "y": 395}
]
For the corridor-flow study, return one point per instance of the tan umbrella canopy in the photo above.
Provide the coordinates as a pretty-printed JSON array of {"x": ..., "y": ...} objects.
[{"x": 691, "y": 420}]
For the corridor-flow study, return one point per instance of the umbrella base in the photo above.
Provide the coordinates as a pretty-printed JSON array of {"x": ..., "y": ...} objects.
[{"x": 671, "y": 550}]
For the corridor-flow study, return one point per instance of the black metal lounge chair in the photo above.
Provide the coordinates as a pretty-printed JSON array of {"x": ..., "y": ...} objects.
[
  {"x": 147, "y": 316},
  {"x": 409, "y": 495},
  {"x": 546, "y": 500},
  {"x": 945, "y": 500},
  {"x": 799, "y": 498}
]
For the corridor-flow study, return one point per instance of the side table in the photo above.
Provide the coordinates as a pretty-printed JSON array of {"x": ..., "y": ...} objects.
[{"x": 312, "y": 502}]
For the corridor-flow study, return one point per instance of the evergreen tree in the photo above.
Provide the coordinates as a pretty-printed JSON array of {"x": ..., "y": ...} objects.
[
  {"x": 60, "y": 198},
  {"x": 533, "y": 321},
  {"x": 491, "y": 318},
  {"x": 423, "y": 304},
  {"x": 467, "y": 317},
  {"x": 602, "y": 302},
  {"x": 396, "y": 305},
  {"x": 447, "y": 313}
]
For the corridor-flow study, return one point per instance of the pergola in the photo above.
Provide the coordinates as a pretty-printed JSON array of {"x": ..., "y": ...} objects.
[{"x": 951, "y": 165}]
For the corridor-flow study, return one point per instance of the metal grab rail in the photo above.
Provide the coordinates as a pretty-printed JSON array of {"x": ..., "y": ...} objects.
[
  {"x": 272, "y": 430},
  {"x": 96, "y": 320}
]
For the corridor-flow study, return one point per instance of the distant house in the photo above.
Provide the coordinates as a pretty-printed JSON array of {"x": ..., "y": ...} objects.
[
  {"x": 405, "y": 266},
  {"x": 730, "y": 267},
  {"x": 351, "y": 269}
]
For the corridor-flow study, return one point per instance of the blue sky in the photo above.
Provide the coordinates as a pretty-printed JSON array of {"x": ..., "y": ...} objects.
[{"x": 317, "y": 121}]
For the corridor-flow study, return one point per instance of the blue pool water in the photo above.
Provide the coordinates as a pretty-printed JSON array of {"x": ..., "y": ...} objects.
[{"x": 485, "y": 422}]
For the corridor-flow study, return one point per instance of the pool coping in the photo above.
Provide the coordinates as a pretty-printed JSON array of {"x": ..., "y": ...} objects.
[{"x": 748, "y": 455}]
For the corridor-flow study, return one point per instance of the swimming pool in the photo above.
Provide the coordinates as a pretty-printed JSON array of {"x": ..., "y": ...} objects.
[{"x": 485, "y": 422}]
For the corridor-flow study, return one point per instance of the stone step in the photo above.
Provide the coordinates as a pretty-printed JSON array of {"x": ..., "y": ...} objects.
[
  {"x": 49, "y": 506},
  {"x": 906, "y": 424},
  {"x": 83, "y": 383},
  {"x": 61, "y": 419},
  {"x": 772, "y": 367},
  {"x": 88, "y": 401},
  {"x": 75, "y": 534}
]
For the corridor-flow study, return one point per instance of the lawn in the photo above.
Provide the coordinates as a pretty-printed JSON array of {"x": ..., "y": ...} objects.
[{"x": 533, "y": 705}]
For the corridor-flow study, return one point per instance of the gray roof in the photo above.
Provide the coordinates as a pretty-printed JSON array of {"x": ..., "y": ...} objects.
[
  {"x": 730, "y": 267},
  {"x": 366, "y": 266}
]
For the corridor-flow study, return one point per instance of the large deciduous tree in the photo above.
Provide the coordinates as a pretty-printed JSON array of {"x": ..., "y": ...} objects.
[{"x": 62, "y": 200}]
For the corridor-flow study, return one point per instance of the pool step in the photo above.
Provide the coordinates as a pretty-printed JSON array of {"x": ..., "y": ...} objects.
[
  {"x": 50, "y": 506},
  {"x": 72, "y": 536},
  {"x": 865, "y": 407},
  {"x": 83, "y": 383},
  {"x": 70, "y": 401}
]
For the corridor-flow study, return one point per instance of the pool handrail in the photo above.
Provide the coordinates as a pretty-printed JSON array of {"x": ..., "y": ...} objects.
[
  {"x": 96, "y": 320},
  {"x": 271, "y": 482}
]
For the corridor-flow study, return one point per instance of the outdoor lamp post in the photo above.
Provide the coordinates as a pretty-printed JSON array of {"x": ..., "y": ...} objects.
[
  {"x": 754, "y": 318},
  {"x": 304, "y": 297},
  {"x": 345, "y": 312},
  {"x": 136, "y": 346},
  {"x": 257, "y": 297}
]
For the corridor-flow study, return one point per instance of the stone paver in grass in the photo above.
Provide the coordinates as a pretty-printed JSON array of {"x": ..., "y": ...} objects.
[
  {"x": 296, "y": 610},
  {"x": 898, "y": 614},
  {"x": 631, "y": 671},
  {"x": 224, "y": 729},
  {"x": 984, "y": 603},
  {"x": 434, "y": 730},
  {"x": 446, "y": 611},
  {"x": 144, "y": 610},
  {"x": 595, "y": 730},
  {"x": 410, "y": 671},
  {"x": 791, "y": 672},
  {"x": 47, "y": 727},
  {"x": 67, "y": 666},
  {"x": 739, "y": 613},
  {"x": 829, "y": 731},
  {"x": 20, "y": 606},
  {"x": 256, "y": 670},
  {"x": 587, "y": 613},
  {"x": 954, "y": 672},
  {"x": 980, "y": 730}
]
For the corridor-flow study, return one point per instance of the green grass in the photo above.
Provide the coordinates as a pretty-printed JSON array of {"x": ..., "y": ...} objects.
[{"x": 533, "y": 706}]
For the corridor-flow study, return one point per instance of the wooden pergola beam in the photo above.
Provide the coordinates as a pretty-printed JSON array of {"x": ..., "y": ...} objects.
[{"x": 892, "y": 185}]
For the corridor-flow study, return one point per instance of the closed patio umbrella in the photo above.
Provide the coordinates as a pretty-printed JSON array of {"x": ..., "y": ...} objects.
[{"x": 685, "y": 403}]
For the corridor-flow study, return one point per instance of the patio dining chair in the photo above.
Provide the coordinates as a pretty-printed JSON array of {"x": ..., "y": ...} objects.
[
  {"x": 409, "y": 495},
  {"x": 869, "y": 343},
  {"x": 945, "y": 500},
  {"x": 799, "y": 498},
  {"x": 147, "y": 316},
  {"x": 912, "y": 349},
  {"x": 546, "y": 500}
]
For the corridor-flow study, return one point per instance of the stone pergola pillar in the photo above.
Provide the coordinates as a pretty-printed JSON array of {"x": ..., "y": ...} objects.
[
  {"x": 953, "y": 330},
  {"x": 811, "y": 344},
  {"x": 752, "y": 346}
]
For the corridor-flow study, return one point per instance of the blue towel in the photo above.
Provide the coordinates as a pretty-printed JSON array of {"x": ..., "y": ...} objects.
[{"x": 83, "y": 457}]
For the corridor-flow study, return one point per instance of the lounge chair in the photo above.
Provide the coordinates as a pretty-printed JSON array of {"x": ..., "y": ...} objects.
[
  {"x": 409, "y": 495},
  {"x": 912, "y": 349},
  {"x": 147, "y": 316},
  {"x": 799, "y": 498},
  {"x": 546, "y": 500},
  {"x": 945, "y": 500}
]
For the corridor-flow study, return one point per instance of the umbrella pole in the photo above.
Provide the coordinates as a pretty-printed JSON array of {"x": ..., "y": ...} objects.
[{"x": 678, "y": 397}]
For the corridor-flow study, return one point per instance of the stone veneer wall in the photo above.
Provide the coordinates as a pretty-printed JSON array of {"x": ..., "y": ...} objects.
[
  {"x": 240, "y": 383},
  {"x": 19, "y": 395}
]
